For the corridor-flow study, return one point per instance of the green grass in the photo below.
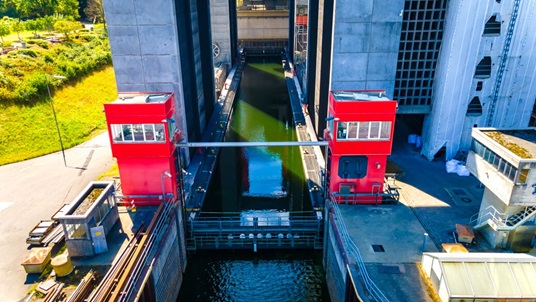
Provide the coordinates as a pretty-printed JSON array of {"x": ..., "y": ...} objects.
[
  {"x": 28, "y": 132},
  {"x": 110, "y": 174}
]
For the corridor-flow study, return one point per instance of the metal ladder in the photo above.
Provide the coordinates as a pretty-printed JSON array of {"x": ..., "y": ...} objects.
[{"x": 502, "y": 63}]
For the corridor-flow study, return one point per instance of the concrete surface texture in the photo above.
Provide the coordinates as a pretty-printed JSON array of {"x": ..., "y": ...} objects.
[
  {"x": 390, "y": 238},
  {"x": 251, "y": 27},
  {"x": 221, "y": 30},
  {"x": 365, "y": 44},
  {"x": 144, "y": 44},
  {"x": 34, "y": 190},
  {"x": 506, "y": 97}
]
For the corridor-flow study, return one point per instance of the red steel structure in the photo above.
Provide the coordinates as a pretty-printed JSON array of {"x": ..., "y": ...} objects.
[
  {"x": 142, "y": 133},
  {"x": 359, "y": 133}
]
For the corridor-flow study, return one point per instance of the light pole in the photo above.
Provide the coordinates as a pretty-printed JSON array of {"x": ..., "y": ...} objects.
[
  {"x": 55, "y": 118},
  {"x": 165, "y": 174}
]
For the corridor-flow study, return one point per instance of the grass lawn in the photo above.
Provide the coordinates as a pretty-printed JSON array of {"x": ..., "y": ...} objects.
[{"x": 27, "y": 132}]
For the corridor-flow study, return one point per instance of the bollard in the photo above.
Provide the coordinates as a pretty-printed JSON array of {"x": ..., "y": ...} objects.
[{"x": 424, "y": 239}]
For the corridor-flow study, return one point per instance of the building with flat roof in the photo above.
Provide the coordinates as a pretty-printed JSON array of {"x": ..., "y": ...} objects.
[{"x": 504, "y": 160}]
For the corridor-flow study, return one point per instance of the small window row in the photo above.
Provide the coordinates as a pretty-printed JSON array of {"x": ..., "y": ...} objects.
[
  {"x": 138, "y": 133},
  {"x": 363, "y": 130},
  {"x": 495, "y": 160}
]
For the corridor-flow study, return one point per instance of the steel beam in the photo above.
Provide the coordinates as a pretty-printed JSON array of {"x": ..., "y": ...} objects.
[{"x": 249, "y": 144}]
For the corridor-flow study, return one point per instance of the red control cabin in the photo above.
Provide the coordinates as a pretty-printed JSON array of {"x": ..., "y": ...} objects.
[
  {"x": 142, "y": 133},
  {"x": 359, "y": 133}
]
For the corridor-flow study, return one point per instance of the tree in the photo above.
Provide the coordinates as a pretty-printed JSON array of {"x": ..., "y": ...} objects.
[
  {"x": 43, "y": 8},
  {"x": 94, "y": 11},
  {"x": 35, "y": 25},
  {"x": 66, "y": 27},
  {"x": 8, "y": 8},
  {"x": 48, "y": 23},
  {"x": 35, "y": 8},
  {"x": 67, "y": 8},
  {"x": 5, "y": 29},
  {"x": 17, "y": 25}
]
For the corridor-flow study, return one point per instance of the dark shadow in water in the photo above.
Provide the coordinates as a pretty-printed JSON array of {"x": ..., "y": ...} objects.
[{"x": 282, "y": 275}]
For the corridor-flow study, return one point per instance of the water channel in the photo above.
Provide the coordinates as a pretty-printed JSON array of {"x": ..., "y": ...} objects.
[{"x": 255, "y": 182}]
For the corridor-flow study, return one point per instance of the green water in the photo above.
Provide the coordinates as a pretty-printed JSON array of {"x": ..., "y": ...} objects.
[
  {"x": 257, "y": 181},
  {"x": 260, "y": 179}
]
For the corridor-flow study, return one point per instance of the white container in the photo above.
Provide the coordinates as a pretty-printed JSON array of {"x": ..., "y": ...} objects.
[
  {"x": 418, "y": 141},
  {"x": 452, "y": 166},
  {"x": 411, "y": 138}
]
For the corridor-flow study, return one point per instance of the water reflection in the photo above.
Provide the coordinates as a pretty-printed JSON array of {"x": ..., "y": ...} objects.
[
  {"x": 263, "y": 173},
  {"x": 267, "y": 179},
  {"x": 265, "y": 186},
  {"x": 265, "y": 276}
]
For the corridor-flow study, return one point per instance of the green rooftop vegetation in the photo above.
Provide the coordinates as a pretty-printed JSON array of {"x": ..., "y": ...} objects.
[{"x": 502, "y": 138}]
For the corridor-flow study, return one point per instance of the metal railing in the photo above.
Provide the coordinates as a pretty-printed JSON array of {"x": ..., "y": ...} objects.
[
  {"x": 489, "y": 215},
  {"x": 244, "y": 232},
  {"x": 499, "y": 221},
  {"x": 353, "y": 251}
]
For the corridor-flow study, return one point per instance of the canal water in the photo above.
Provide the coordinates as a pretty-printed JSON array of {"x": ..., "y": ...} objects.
[{"x": 260, "y": 181}]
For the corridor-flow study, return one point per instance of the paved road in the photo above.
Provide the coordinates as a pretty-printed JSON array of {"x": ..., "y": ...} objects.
[{"x": 34, "y": 190}]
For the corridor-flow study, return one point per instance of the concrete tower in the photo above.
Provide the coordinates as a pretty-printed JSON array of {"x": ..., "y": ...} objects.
[
  {"x": 485, "y": 72},
  {"x": 165, "y": 45}
]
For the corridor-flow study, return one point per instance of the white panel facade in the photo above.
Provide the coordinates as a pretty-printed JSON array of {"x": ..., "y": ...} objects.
[{"x": 455, "y": 85}]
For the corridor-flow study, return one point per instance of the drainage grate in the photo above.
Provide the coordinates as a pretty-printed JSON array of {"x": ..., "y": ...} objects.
[{"x": 378, "y": 248}]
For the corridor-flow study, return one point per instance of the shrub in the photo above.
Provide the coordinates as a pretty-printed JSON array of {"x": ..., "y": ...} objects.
[
  {"x": 42, "y": 43},
  {"x": 23, "y": 73},
  {"x": 27, "y": 52},
  {"x": 32, "y": 88}
]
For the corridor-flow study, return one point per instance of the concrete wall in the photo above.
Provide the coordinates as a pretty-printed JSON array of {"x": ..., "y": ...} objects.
[
  {"x": 262, "y": 25},
  {"x": 164, "y": 45},
  {"x": 524, "y": 194},
  {"x": 220, "y": 25},
  {"x": 521, "y": 239},
  {"x": 490, "y": 177},
  {"x": 464, "y": 45},
  {"x": 366, "y": 38},
  {"x": 170, "y": 262},
  {"x": 144, "y": 44},
  {"x": 334, "y": 267}
]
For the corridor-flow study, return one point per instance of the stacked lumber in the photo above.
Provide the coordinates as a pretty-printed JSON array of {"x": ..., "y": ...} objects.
[{"x": 55, "y": 236}]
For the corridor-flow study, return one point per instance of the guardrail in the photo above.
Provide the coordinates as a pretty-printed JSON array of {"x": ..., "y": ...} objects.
[
  {"x": 253, "y": 232},
  {"x": 353, "y": 252}
]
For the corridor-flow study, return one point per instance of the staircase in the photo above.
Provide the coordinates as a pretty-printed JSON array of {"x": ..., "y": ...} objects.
[
  {"x": 501, "y": 221},
  {"x": 521, "y": 216}
]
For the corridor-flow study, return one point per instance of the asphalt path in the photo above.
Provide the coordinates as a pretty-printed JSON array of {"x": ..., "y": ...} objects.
[{"x": 34, "y": 190}]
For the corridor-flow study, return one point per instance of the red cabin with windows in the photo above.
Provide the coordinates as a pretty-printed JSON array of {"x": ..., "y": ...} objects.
[
  {"x": 359, "y": 133},
  {"x": 142, "y": 133}
]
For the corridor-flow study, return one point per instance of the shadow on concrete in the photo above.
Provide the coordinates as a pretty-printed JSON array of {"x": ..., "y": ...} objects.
[{"x": 426, "y": 188}]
